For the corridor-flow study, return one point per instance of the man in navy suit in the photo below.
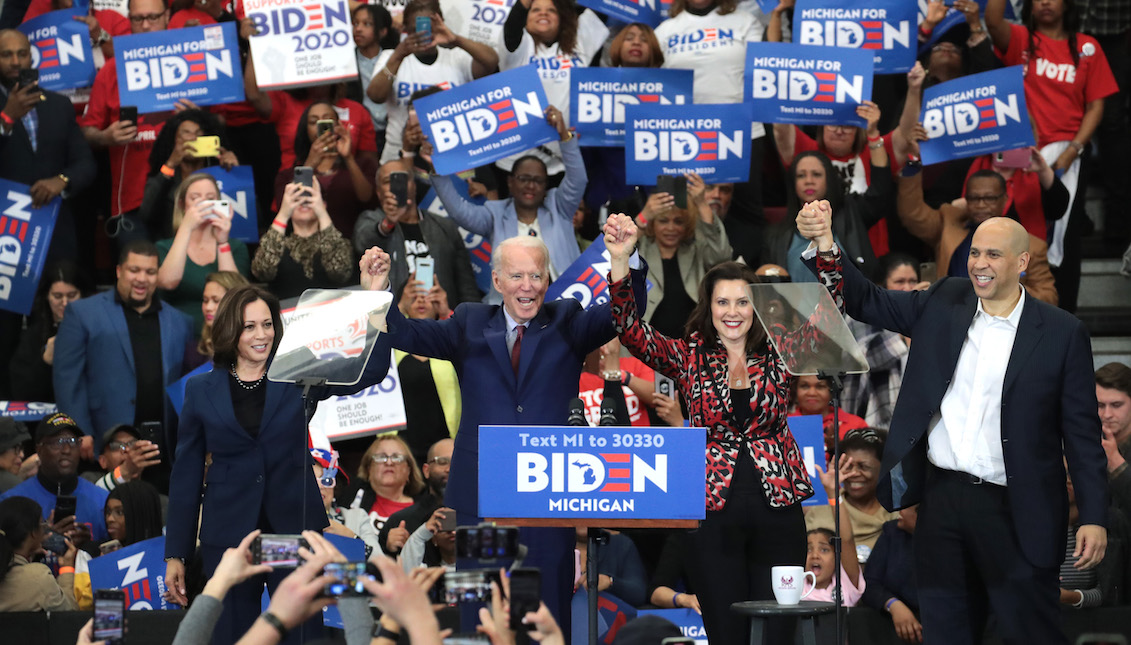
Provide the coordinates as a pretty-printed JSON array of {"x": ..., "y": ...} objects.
[
  {"x": 996, "y": 397},
  {"x": 117, "y": 351},
  {"x": 518, "y": 364}
]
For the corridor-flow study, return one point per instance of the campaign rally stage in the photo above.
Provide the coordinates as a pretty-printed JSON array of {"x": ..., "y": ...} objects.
[
  {"x": 599, "y": 95},
  {"x": 486, "y": 120},
  {"x": 25, "y": 235},
  {"x": 60, "y": 50},
  {"x": 975, "y": 115},
  {"x": 712, "y": 141},
  {"x": 807, "y": 85},
  {"x": 580, "y": 472},
  {"x": 301, "y": 43},
  {"x": 887, "y": 29},
  {"x": 201, "y": 64}
]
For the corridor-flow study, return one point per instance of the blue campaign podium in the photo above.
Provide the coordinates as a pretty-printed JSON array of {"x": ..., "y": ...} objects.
[{"x": 603, "y": 477}]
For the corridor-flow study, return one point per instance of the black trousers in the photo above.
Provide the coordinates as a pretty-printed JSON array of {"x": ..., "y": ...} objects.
[
  {"x": 733, "y": 552},
  {"x": 968, "y": 562}
]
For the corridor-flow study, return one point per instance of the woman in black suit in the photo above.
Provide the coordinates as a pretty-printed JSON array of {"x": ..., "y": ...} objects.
[{"x": 256, "y": 431}]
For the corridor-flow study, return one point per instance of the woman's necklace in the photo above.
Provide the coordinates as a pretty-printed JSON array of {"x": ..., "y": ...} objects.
[{"x": 248, "y": 385}]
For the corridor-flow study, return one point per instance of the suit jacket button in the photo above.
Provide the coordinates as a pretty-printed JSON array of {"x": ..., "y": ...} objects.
[
  {"x": 259, "y": 479},
  {"x": 519, "y": 409}
]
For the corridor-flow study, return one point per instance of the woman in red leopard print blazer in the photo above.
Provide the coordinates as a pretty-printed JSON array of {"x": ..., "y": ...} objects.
[{"x": 736, "y": 387}]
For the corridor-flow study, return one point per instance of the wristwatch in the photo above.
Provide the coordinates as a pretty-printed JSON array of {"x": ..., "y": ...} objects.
[
  {"x": 102, "y": 37},
  {"x": 66, "y": 179}
]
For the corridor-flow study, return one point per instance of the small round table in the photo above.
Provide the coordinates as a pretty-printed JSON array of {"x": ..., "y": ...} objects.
[{"x": 759, "y": 610}]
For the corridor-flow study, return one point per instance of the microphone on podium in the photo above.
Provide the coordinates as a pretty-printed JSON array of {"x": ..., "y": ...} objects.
[
  {"x": 608, "y": 413},
  {"x": 576, "y": 413}
]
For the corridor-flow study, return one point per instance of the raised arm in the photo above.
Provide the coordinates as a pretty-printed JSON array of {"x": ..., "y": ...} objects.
[
  {"x": 568, "y": 196},
  {"x": 1000, "y": 31}
]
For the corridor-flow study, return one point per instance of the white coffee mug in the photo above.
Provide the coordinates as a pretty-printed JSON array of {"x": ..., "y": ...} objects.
[{"x": 788, "y": 583}]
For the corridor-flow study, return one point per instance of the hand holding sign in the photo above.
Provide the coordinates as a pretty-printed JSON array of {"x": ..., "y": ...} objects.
[
  {"x": 554, "y": 117},
  {"x": 870, "y": 112}
]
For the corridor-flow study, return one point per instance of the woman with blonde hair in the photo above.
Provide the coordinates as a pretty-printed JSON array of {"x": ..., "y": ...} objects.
[
  {"x": 390, "y": 479},
  {"x": 199, "y": 247},
  {"x": 216, "y": 286}
]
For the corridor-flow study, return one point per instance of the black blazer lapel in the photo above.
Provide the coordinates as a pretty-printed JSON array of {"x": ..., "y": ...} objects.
[
  {"x": 1030, "y": 329},
  {"x": 535, "y": 330},
  {"x": 495, "y": 335}
]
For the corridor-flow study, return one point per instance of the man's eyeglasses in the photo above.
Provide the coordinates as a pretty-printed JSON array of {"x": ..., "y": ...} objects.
[
  {"x": 60, "y": 442},
  {"x": 440, "y": 461},
  {"x": 152, "y": 17},
  {"x": 119, "y": 446},
  {"x": 530, "y": 179},
  {"x": 382, "y": 458},
  {"x": 983, "y": 199},
  {"x": 64, "y": 297}
]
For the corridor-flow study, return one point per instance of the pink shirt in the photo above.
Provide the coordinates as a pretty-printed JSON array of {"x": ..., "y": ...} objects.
[{"x": 851, "y": 593}]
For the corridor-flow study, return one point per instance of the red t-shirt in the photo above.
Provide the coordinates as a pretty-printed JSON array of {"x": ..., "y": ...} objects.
[
  {"x": 1056, "y": 90},
  {"x": 129, "y": 164},
  {"x": 849, "y": 165},
  {"x": 1023, "y": 191},
  {"x": 591, "y": 390},
  {"x": 286, "y": 111},
  {"x": 383, "y": 509}
]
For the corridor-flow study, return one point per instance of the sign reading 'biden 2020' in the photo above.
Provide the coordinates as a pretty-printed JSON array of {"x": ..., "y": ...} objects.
[
  {"x": 201, "y": 64},
  {"x": 579, "y": 472},
  {"x": 301, "y": 42},
  {"x": 885, "y": 28},
  {"x": 486, "y": 120},
  {"x": 60, "y": 50},
  {"x": 807, "y": 85},
  {"x": 710, "y": 140},
  {"x": 599, "y": 96},
  {"x": 975, "y": 115}
]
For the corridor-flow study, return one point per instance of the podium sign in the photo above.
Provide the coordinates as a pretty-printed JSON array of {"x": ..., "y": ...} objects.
[{"x": 574, "y": 472}]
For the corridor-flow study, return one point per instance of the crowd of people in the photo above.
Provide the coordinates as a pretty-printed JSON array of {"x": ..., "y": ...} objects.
[{"x": 977, "y": 260}]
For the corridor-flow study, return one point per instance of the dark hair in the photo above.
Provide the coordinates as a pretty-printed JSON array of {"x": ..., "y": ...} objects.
[
  {"x": 986, "y": 173},
  {"x": 821, "y": 531},
  {"x": 724, "y": 7},
  {"x": 567, "y": 25},
  {"x": 523, "y": 159},
  {"x": 657, "y": 52},
  {"x": 228, "y": 324},
  {"x": 424, "y": 91},
  {"x": 381, "y": 20},
  {"x": 61, "y": 271},
  {"x": 893, "y": 261},
  {"x": 1069, "y": 21},
  {"x": 413, "y": 7},
  {"x": 1115, "y": 376},
  {"x": 834, "y": 189},
  {"x": 700, "y": 319},
  {"x": 857, "y": 141},
  {"x": 141, "y": 506},
  {"x": 302, "y": 133},
  {"x": 19, "y": 518},
  {"x": 867, "y": 439},
  {"x": 141, "y": 247},
  {"x": 167, "y": 137}
]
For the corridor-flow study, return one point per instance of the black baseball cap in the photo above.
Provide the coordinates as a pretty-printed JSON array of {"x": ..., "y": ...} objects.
[
  {"x": 12, "y": 433},
  {"x": 55, "y": 424}
]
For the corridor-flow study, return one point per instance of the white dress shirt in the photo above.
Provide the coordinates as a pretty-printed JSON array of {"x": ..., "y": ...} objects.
[{"x": 965, "y": 434}]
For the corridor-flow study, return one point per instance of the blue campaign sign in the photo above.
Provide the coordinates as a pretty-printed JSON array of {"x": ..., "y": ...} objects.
[
  {"x": 975, "y": 115},
  {"x": 807, "y": 85},
  {"x": 238, "y": 187},
  {"x": 25, "y": 235},
  {"x": 579, "y": 472},
  {"x": 649, "y": 12},
  {"x": 176, "y": 391},
  {"x": 27, "y": 411},
  {"x": 138, "y": 570},
  {"x": 612, "y": 614},
  {"x": 711, "y": 140},
  {"x": 60, "y": 50},
  {"x": 486, "y": 120},
  {"x": 688, "y": 622},
  {"x": 810, "y": 437},
  {"x": 885, "y": 28},
  {"x": 598, "y": 96},
  {"x": 585, "y": 278},
  {"x": 201, "y": 64},
  {"x": 478, "y": 247}
]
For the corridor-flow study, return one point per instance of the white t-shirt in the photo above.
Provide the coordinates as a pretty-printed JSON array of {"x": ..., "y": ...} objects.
[
  {"x": 452, "y": 67},
  {"x": 714, "y": 47},
  {"x": 554, "y": 69},
  {"x": 479, "y": 20}
]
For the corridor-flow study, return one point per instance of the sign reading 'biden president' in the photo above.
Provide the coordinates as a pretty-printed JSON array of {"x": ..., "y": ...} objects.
[{"x": 712, "y": 141}]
